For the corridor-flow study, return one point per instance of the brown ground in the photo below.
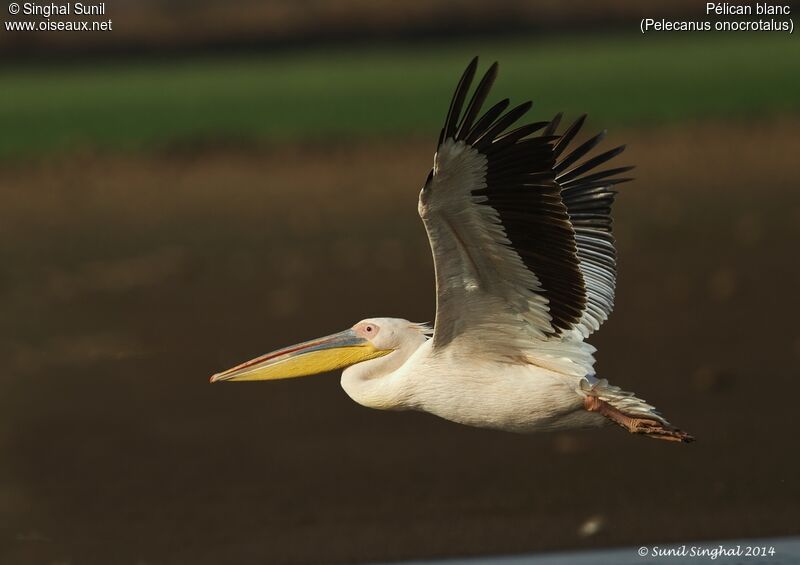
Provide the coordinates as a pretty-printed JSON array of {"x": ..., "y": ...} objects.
[{"x": 127, "y": 281}]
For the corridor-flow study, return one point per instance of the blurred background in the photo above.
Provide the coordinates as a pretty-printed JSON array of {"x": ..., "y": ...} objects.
[{"x": 211, "y": 180}]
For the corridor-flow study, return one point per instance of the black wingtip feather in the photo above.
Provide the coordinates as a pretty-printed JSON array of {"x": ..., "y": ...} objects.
[
  {"x": 580, "y": 151},
  {"x": 568, "y": 135},
  {"x": 477, "y": 100},
  {"x": 551, "y": 128},
  {"x": 590, "y": 164},
  {"x": 458, "y": 100},
  {"x": 486, "y": 121},
  {"x": 503, "y": 123}
]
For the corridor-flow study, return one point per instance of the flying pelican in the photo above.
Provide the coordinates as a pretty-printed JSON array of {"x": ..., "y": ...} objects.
[{"x": 520, "y": 230}]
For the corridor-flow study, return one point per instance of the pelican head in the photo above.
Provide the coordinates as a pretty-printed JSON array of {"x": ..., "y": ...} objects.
[{"x": 367, "y": 340}]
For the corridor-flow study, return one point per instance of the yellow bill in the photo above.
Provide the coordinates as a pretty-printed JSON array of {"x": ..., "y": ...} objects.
[{"x": 310, "y": 358}]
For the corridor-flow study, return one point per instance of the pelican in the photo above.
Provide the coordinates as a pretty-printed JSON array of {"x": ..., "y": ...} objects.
[{"x": 519, "y": 226}]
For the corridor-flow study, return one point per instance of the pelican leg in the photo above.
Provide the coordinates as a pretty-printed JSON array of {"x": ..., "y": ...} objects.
[{"x": 636, "y": 425}]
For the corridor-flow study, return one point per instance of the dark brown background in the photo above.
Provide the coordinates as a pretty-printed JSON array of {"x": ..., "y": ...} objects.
[{"x": 118, "y": 450}]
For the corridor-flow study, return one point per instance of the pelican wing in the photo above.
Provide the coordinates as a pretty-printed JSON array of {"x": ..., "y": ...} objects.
[
  {"x": 520, "y": 232},
  {"x": 589, "y": 195}
]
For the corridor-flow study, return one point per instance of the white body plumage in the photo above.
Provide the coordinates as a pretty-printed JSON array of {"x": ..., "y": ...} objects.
[{"x": 453, "y": 385}]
